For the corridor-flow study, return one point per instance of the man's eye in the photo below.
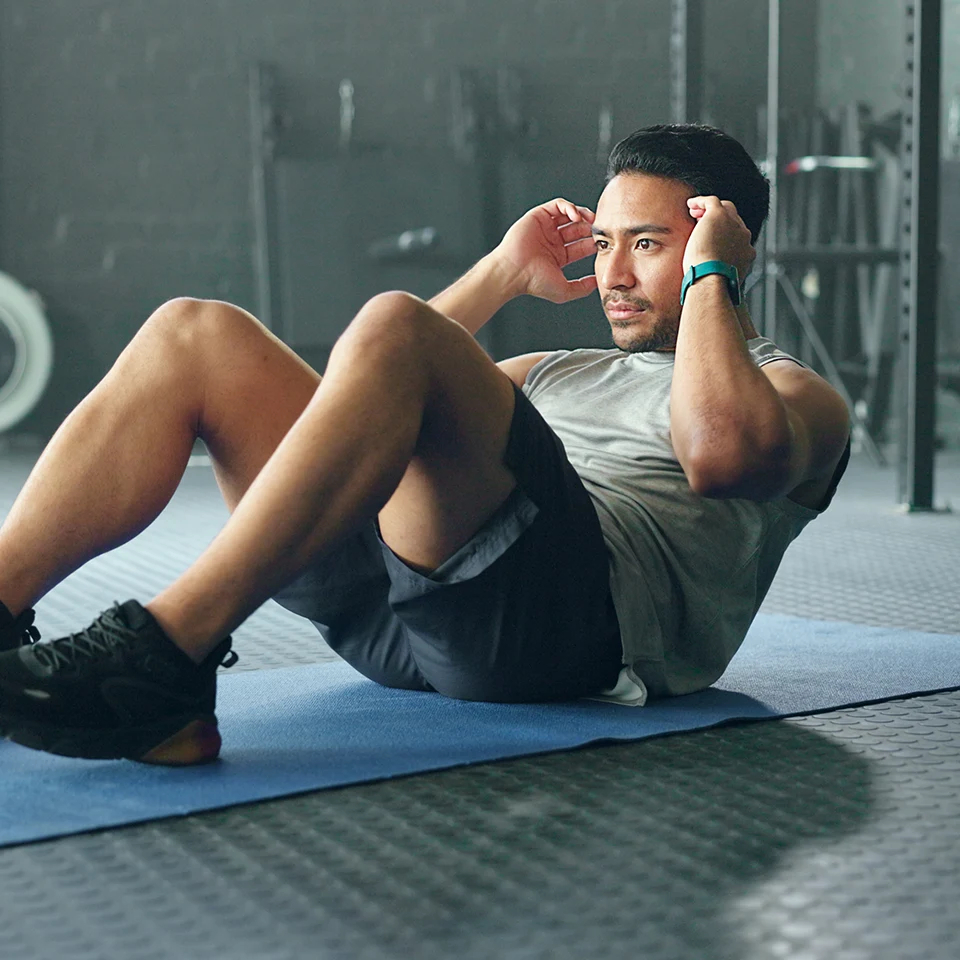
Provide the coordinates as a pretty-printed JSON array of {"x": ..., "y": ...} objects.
[
  {"x": 601, "y": 244},
  {"x": 645, "y": 244}
]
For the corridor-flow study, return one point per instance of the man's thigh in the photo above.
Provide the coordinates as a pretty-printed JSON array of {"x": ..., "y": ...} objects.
[
  {"x": 255, "y": 387},
  {"x": 457, "y": 477},
  {"x": 521, "y": 612}
]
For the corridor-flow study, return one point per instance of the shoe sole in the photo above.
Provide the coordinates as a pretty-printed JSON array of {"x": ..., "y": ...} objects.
[{"x": 176, "y": 743}]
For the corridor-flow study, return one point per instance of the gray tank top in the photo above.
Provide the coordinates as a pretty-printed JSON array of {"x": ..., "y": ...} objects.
[{"x": 687, "y": 573}]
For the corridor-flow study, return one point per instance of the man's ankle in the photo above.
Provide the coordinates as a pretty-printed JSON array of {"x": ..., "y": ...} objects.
[
  {"x": 12, "y": 604},
  {"x": 196, "y": 648},
  {"x": 7, "y": 616}
]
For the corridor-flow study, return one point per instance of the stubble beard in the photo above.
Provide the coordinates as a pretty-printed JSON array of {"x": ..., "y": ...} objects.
[{"x": 661, "y": 337}]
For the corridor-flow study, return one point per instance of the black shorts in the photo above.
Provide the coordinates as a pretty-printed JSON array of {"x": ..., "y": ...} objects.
[{"x": 520, "y": 613}]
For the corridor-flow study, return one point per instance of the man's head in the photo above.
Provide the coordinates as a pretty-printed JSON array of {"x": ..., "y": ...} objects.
[{"x": 643, "y": 223}]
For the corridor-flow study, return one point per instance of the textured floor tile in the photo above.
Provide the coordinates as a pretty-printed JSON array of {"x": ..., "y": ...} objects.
[{"x": 833, "y": 837}]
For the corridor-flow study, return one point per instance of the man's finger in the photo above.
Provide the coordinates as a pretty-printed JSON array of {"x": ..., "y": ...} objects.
[
  {"x": 704, "y": 202},
  {"x": 578, "y": 249},
  {"x": 574, "y": 231},
  {"x": 563, "y": 211},
  {"x": 574, "y": 212},
  {"x": 581, "y": 287},
  {"x": 698, "y": 206}
]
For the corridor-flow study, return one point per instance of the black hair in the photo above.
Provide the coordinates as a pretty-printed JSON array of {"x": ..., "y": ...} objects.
[{"x": 708, "y": 160}]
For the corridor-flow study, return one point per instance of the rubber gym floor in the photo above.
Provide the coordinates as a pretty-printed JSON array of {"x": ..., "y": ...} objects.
[{"x": 833, "y": 836}]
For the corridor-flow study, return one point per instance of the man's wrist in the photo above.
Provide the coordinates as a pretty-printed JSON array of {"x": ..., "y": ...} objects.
[
  {"x": 701, "y": 270},
  {"x": 504, "y": 275},
  {"x": 711, "y": 281},
  {"x": 476, "y": 296},
  {"x": 711, "y": 293}
]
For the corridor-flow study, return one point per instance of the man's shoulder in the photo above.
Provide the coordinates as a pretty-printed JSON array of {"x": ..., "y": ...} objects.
[
  {"x": 581, "y": 356},
  {"x": 581, "y": 363}
]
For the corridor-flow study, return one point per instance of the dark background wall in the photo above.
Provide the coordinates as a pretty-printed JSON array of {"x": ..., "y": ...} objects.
[
  {"x": 125, "y": 159},
  {"x": 125, "y": 149}
]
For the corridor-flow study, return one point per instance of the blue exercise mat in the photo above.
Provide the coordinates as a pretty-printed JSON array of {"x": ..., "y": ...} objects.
[{"x": 297, "y": 729}]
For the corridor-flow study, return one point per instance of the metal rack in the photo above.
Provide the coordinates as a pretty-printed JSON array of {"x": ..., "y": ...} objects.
[
  {"x": 919, "y": 232},
  {"x": 916, "y": 251}
]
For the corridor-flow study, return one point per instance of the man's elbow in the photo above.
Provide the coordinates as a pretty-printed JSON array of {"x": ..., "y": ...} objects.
[{"x": 747, "y": 474}]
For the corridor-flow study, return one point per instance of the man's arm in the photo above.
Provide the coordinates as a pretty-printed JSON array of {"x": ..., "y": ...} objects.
[
  {"x": 740, "y": 430},
  {"x": 476, "y": 296},
  {"x": 529, "y": 260},
  {"x": 517, "y": 368}
]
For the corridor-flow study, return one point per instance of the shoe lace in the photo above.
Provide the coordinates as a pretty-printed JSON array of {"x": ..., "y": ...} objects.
[
  {"x": 23, "y": 626},
  {"x": 106, "y": 634}
]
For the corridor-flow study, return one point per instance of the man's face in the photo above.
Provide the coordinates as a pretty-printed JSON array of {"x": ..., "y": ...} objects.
[{"x": 641, "y": 230}]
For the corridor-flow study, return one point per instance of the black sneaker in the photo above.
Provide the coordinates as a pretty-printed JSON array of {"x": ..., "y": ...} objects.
[
  {"x": 16, "y": 631},
  {"x": 120, "y": 688}
]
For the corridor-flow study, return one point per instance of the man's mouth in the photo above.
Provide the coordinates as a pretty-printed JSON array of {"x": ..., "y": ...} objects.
[{"x": 620, "y": 309}]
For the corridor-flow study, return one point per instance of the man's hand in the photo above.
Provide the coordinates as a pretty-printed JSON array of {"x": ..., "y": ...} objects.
[
  {"x": 541, "y": 243},
  {"x": 529, "y": 259},
  {"x": 719, "y": 234}
]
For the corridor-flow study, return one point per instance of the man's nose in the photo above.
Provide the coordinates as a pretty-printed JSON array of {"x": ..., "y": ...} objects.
[{"x": 618, "y": 270}]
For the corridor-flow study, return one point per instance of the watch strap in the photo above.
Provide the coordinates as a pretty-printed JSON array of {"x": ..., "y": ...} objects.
[{"x": 726, "y": 270}]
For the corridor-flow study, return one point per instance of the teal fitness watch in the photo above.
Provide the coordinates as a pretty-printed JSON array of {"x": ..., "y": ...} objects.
[{"x": 726, "y": 270}]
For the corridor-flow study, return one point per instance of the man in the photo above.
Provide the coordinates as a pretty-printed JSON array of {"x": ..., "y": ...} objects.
[{"x": 417, "y": 506}]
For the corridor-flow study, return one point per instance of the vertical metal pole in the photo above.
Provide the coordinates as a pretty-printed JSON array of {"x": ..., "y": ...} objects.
[
  {"x": 686, "y": 60},
  {"x": 919, "y": 253},
  {"x": 772, "y": 171},
  {"x": 470, "y": 114}
]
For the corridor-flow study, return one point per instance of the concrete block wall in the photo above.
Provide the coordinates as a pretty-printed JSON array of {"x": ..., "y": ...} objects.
[{"x": 125, "y": 160}]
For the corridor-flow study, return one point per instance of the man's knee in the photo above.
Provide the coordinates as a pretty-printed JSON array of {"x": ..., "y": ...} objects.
[
  {"x": 394, "y": 321},
  {"x": 393, "y": 306},
  {"x": 194, "y": 324}
]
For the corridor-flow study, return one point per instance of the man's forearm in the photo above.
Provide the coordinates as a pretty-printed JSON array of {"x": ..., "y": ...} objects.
[
  {"x": 478, "y": 294},
  {"x": 725, "y": 416}
]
